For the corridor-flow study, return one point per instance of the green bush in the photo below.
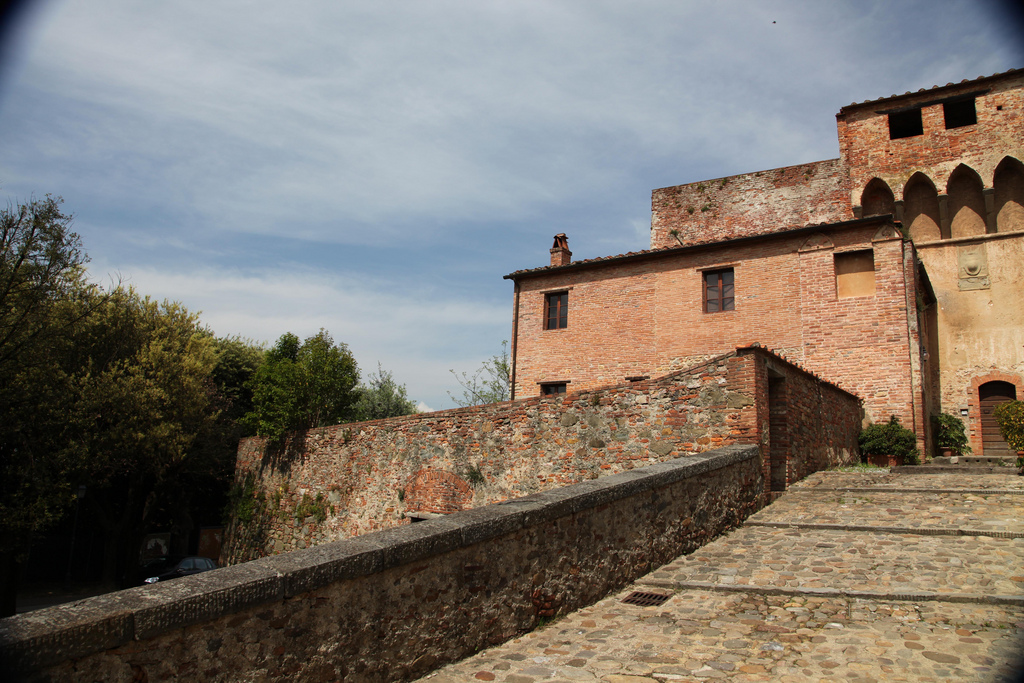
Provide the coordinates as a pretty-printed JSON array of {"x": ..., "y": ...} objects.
[
  {"x": 1010, "y": 416},
  {"x": 890, "y": 438},
  {"x": 950, "y": 433}
]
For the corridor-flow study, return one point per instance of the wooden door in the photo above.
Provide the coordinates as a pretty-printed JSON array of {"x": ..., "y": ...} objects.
[{"x": 992, "y": 394}]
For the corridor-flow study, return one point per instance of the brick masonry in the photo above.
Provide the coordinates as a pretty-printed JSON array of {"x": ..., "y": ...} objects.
[
  {"x": 945, "y": 310},
  {"x": 644, "y": 315},
  {"x": 377, "y": 475}
]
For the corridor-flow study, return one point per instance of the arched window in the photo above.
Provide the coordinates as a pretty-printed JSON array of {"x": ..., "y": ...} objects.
[
  {"x": 921, "y": 209},
  {"x": 1009, "y": 195},
  {"x": 877, "y": 199},
  {"x": 966, "y": 203}
]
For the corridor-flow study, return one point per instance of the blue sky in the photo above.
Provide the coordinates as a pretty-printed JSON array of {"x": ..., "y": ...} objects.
[{"x": 375, "y": 168}]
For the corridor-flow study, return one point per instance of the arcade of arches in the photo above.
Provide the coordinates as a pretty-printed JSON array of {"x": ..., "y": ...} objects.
[{"x": 966, "y": 209}]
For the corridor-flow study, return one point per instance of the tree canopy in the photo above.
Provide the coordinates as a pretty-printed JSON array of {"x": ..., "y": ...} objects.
[{"x": 300, "y": 386}]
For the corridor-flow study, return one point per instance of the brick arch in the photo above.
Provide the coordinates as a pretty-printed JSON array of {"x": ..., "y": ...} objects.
[
  {"x": 437, "y": 491},
  {"x": 877, "y": 198},
  {"x": 966, "y": 202},
  {"x": 974, "y": 403},
  {"x": 921, "y": 209},
  {"x": 1008, "y": 188}
]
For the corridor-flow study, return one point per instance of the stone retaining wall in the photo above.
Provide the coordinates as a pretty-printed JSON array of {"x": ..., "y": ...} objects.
[
  {"x": 342, "y": 481},
  {"x": 391, "y": 606}
]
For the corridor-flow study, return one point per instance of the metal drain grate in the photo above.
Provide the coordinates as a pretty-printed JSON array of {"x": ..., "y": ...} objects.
[{"x": 645, "y": 599}]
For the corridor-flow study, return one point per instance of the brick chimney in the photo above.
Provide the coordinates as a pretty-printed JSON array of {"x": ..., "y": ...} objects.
[{"x": 560, "y": 254}]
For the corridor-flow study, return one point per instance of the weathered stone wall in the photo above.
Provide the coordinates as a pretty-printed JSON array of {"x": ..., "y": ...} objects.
[
  {"x": 375, "y": 475},
  {"x": 750, "y": 204},
  {"x": 393, "y": 605}
]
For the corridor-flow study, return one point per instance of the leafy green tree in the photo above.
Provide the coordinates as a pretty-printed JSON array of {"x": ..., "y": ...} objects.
[
  {"x": 300, "y": 386},
  {"x": 274, "y": 403},
  {"x": 381, "y": 397},
  {"x": 489, "y": 384},
  {"x": 327, "y": 375},
  {"x": 43, "y": 300},
  {"x": 144, "y": 403}
]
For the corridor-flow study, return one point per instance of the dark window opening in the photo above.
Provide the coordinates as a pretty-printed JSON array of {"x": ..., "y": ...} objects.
[
  {"x": 905, "y": 124},
  {"x": 556, "y": 311},
  {"x": 552, "y": 389},
  {"x": 960, "y": 113},
  {"x": 718, "y": 291}
]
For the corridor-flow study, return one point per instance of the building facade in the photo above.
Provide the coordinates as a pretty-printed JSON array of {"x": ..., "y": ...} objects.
[{"x": 895, "y": 271}]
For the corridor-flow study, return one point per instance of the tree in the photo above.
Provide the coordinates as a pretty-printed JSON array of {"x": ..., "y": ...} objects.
[
  {"x": 489, "y": 384},
  {"x": 43, "y": 300},
  {"x": 381, "y": 397},
  {"x": 300, "y": 386},
  {"x": 328, "y": 375},
  {"x": 144, "y": 403}
]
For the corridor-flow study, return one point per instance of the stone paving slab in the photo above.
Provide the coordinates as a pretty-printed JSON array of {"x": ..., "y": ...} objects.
[
  {"x": 702, "y": 635},
  {"x": 896, "y": 564},
  {"x": 774, "y": 603},
  {"x": 882, "y": 478},
  {"x": 948, "y": 512}
]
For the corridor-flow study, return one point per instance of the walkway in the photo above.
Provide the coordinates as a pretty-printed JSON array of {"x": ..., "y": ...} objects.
[{"x": 847, "y": 577}]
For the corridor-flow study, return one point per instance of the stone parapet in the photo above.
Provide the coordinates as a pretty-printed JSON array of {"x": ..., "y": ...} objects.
[{"x": 395, "y": 604}]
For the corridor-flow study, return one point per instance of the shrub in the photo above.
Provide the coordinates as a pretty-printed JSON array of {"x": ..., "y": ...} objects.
[
  {"x": 950, "y": 433},
  {"x": 1010, "y": 416},
  {"x": 890, "y": 438}
]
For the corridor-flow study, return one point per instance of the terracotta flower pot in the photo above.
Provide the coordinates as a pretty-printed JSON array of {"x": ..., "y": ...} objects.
[{"x": 884, "y": 460}]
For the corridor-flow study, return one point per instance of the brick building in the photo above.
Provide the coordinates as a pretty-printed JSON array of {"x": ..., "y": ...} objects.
[{"x": 895, "y": 271}]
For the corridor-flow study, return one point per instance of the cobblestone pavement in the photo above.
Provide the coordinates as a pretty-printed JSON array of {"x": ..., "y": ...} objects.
[{"x": 854, "y": 594}]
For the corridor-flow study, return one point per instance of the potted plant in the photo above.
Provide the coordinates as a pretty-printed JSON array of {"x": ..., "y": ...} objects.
[
  {"x": 1010, "y": 416},
  {"x": 950, "y": 435},
  {"x": 889, "y": 444}
]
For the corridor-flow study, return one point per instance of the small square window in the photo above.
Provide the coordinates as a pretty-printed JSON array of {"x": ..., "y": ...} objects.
[
  {"x": 556, "y": 311},
  {"x": 905, "y": 124},
  {"x": 855, "y": 274},
  {"x": 959, "y": 114},
  {"x": 718, "y": 291},
  {"x": 552, "y": 388}
]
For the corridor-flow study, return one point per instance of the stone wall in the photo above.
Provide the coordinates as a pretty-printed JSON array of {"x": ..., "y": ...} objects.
[
  {"x": 750, "y": 204},
  {"x": 393, "y": 605},
  {"x": 369, "y": 476}
]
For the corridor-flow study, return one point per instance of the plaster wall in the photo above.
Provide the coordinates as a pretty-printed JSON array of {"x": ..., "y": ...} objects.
[{"x": 980, "y": 330}]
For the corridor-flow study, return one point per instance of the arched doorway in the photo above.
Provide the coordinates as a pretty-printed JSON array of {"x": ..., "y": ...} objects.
[{"x": 991, "y": 394}]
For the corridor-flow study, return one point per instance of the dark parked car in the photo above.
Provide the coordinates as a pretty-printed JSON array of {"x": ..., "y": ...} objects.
[{"x": 167, "y": 568}]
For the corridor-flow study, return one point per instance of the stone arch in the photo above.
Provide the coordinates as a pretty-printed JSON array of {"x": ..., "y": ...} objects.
[
  {"x": 437, "y": 491},
  {"x": 966, "y": 202},
  {"x": 877, "y": 199},
  {"x": 815, "y": 242},
  {"x": 974, "y": 403},
  {"x": 1008, "y": 184},
  {"x": 921, "y": 209}
]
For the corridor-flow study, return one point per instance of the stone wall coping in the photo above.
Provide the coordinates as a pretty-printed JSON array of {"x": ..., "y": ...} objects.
[{"x": 45, "y": 637}]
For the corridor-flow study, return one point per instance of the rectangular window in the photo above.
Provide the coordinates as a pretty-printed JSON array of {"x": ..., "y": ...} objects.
[
  {"x": 905, "y": 124},
  {"x": 556, "y": 311},
  {"x": 718, "y": 290},
  {"x": 552, "y": 388},
  {"x": 855, "y": 274},
  {"x": 961, "y": 113}
]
